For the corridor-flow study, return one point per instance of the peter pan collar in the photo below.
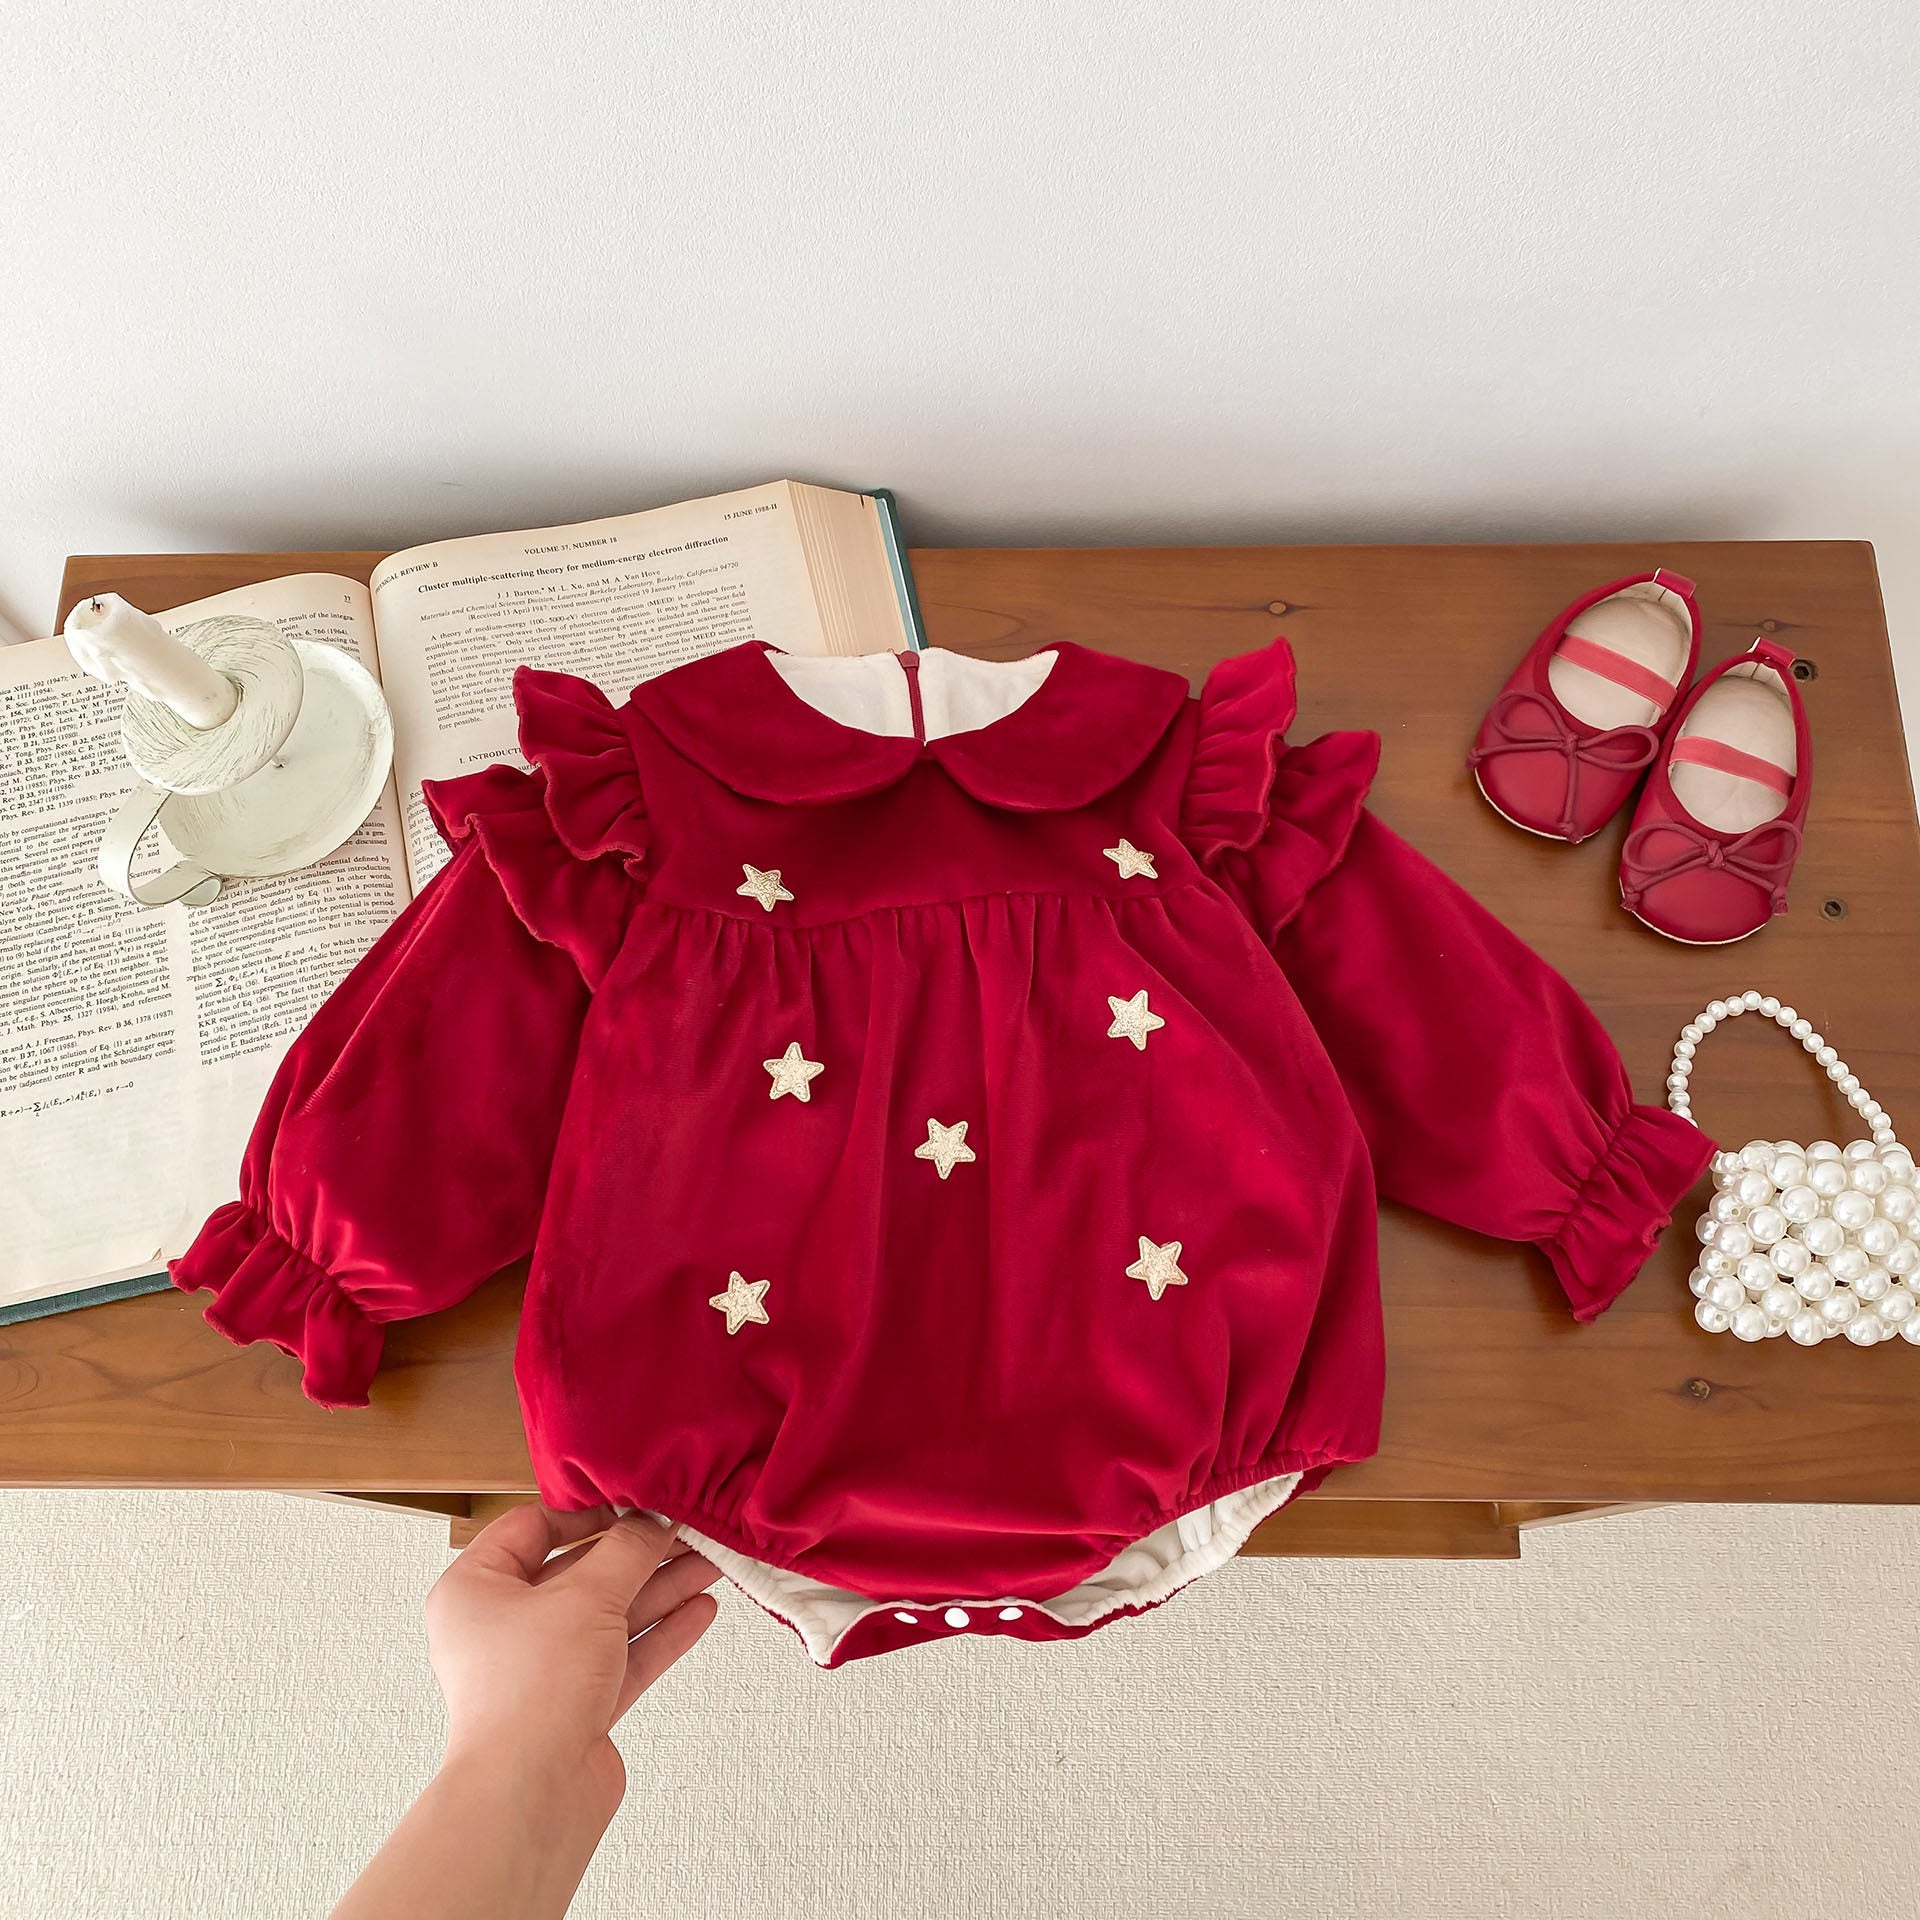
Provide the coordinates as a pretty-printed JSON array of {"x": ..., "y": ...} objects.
[{"x": 1090, "y": 724}]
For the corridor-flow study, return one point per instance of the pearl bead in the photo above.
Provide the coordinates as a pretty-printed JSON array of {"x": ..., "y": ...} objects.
[
  {"x": 1768, "y": 1224},
  {"x": 1819, "y": 1237},
  {"x": 1871, "y": 1283},
  {"x": 1690, "y": 1033},
  {"x": 1846, "y": 1266},
  {"x": 1899, "y": 1163},
  {"x": 1698, "y": 1281},
  {"x": 1727, "y": 1206},
  {"x": 1868, "y": 1176},
  {"x": 1751, "y": 1000},
  {"x": 1858, "y": 1098},
  {"x": 1823, "y": 1150},
  {"x": 1897, "y": 1204},
  {"x": 1838, "y": 1308},
  {"x": 1713, "y": 1319},
  {"x": 1852, "y": 1211},
  {"x": 1716, "y": 1010},
  {"x": 1815, "y": 1284},
  {"x": 1807, "y": 1328},
  {"x": 1770, "y": 1005},
  {"x": 1825, "y": 1055},
  {"x": 1827, "y": 1178},
  {"x": 1865, "y": 1329},
  {"x": 1726, "y": 1292},
  {"x": 1749, "y": 1323},
  {"x": 1736, "y": 1240},
  {"x": 1754, "y": 1188},
  {"x": 1707, "y": 1228},
  {"x": 1788, "y": 1257},
  {"x": 1757, "y": 1155},
  {"x": 1878, "y": 1238},
  {"x": 1726, "y": 1166},
  {"x": 1800, "y": 1204},
  {"x": 1800, "y": 1029},
  {"x": 1904, "y": 1259},
  {"x": 1676, "y": 1082},
  {"x": 1779, "y": 1302},
  {"x": 1859, "y": 1150},
  {"x": 1787, "y": 1170},
  {"x": 1755, "y": 1272},
  {"x": 1909, "y": 1329},
  {"x": 1683, "y": 1049},
  {"x": 1896, "y": 1307}
]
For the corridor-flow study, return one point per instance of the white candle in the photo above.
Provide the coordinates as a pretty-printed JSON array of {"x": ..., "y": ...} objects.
[{"x": 115, "y": 641}]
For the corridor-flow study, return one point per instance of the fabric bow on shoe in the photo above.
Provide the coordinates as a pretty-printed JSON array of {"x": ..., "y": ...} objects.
[
  {"x": 1763, "y": 855},
  {"x": 1526, "y": 722}
]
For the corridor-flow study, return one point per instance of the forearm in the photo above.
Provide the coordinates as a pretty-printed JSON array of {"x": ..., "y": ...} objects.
[{"x": 493, "y": 1837}]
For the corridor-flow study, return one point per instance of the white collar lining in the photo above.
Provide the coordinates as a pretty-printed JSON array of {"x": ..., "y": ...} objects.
[{"x": 869, "y": 693}]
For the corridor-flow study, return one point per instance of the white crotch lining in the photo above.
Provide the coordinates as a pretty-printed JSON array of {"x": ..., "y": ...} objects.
[{"x": 1141, "y": 1575}]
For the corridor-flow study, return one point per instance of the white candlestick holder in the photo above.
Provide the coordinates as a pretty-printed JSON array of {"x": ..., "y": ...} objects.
[{"x": 280, "y": 779}]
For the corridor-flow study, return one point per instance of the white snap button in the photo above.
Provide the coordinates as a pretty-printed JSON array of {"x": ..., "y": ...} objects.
[
  {"x": 1009, "y": 1613},
  {"x": 955, "y": 1616},
  {"x": 908, "y": 1619}
]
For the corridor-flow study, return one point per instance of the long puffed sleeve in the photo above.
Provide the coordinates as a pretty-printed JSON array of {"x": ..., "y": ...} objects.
[
  {"x": 403, "y": 1151},
  {"x": 1488, "y": 1093}
]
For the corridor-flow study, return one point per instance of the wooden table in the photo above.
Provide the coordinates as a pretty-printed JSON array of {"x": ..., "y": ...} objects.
[{"x": 1500, "y": 1410}]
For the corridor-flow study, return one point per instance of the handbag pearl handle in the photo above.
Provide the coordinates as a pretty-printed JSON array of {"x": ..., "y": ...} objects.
[{"x": 1843, "y": 1077}]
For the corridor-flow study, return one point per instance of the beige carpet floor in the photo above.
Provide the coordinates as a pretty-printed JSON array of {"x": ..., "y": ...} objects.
[{"x": 213, "y": 1705}]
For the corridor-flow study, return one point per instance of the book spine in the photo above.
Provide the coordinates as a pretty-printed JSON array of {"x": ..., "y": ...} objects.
[{"x": 903, "y": 586}]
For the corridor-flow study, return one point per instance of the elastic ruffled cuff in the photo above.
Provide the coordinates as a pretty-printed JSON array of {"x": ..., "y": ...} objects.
[
  {"x": 1648, "y": 1167},
  {"x": 265, "y": 1288}
]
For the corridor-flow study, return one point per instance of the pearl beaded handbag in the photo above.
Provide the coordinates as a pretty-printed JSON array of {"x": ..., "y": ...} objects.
[{"x": 1807, "y": 1241}]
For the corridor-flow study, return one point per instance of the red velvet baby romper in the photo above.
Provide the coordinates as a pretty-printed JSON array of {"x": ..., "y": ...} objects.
[{"x": 944, "y": 1103}]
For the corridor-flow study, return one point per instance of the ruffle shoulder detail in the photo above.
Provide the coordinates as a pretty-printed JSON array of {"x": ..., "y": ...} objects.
[
  {"x": 1269, "y": 819},
  {"x": 567, "y": 841},
  {"x": 571, "y": 730}
]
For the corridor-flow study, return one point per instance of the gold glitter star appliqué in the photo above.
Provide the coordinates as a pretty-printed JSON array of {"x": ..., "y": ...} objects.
[
  {"x": 741, "y": 1302},
  {"x": 794, "y": 1074},
  {"x": 1159, "y": 1267},
  {"x": 1133, "y": 864},
  {"x": 946, "y": 1147},
  {"x": 764, "y": 887},
  {"x": 1132, "y": 1021}
]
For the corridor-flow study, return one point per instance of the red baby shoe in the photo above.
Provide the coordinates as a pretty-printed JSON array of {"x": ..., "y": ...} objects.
[
  {"x": 1581, "y": 718},
  {"x": 1717, "y": 829}
]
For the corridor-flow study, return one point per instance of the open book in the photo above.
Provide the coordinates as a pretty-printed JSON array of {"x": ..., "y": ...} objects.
[{"x": 136, "y": 1046}]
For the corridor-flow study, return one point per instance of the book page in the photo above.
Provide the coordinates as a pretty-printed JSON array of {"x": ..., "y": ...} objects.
[
  {"x": 137, "y": 1044},
  {"x": 615, "y": 601}
]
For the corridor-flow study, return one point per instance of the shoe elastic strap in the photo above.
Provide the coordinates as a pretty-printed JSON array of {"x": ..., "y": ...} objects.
[
  {"x": 1615, "y": 667},
  {"x": 1694, "y": 750}
]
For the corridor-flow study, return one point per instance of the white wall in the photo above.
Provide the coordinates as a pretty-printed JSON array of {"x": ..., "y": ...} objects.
[{"x": 1095, "y": 271}]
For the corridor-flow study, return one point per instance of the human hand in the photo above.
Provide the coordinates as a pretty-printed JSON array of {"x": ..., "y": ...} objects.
[{"x": 536, "y": 1656}]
